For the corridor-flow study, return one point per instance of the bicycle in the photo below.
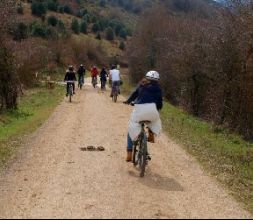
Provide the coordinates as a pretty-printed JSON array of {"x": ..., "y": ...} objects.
[
  {"x": 140, "y": 151},
  {"x": 115, "y": 92},
  {"x": 94, "y": 81},
  {"x": 80, "y": 82},
  {"x": 70, "y": 89}
]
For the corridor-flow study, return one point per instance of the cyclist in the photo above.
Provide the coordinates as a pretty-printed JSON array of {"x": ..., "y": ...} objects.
[
  {"x": 70, "y": 76},
  {"x": 148, "y": 101},
  {"x": 103, "y": 78},
  {"x": 115, "y": 79},
  {"x": 81, "y": 74},
  {"x": 94, "y": 73}
]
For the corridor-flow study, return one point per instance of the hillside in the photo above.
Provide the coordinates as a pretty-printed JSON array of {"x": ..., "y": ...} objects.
[{"x": 54, "y": 33}]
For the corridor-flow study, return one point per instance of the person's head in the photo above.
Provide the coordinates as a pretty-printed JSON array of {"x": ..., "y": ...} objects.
[
  {"x": 71, "y": 68},
  {"x": 81, "y": 65},
  {"x": 113, "y": 66},
  {"x": 152, "y": 76}
]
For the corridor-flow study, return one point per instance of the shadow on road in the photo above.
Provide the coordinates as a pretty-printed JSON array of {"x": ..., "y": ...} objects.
[{"x": 156, "y": 181}]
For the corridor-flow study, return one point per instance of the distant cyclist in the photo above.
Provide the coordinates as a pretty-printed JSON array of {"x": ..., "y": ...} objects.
[
  {"x": 94, "y": 73},
  {"x": 70, "y": 76},
  {"x": 81, "y": 74},
  {"x": 114, "y": 76},
  {"x": 103, "y": 78},
  {"x": 148, "y": 101}
]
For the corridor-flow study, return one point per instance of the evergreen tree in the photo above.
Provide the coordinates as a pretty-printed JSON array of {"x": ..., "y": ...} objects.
[
  {"x": 109, "y": 34},
  {"x": 52, "y": 20},
  {"x": 95, "y": 28},
  {"x": 38, "y": 9},
  {"x": 75, "y": 26},
  {"x": 83, "y": 27}
]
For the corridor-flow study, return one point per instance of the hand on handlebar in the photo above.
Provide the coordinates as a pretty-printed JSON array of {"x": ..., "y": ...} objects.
[{"x": 128, "y": 103}]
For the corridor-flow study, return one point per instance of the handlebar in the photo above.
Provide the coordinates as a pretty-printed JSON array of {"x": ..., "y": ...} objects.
[
  {"x": 69, "y": 81},
  {"x": 131, "y": 103}
]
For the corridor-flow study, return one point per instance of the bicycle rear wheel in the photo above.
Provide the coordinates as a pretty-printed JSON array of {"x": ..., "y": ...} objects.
[
  {"x": 70, "y": 93},
  {"x": 115, "y": 96},
  {"x": 143, "y": 156}
]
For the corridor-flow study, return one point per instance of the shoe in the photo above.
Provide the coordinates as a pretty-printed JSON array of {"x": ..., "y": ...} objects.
[
  {"x": 151, "y": 136},
  {"x": 67, "y": 95},
  {"x": 129, "y": 156}
]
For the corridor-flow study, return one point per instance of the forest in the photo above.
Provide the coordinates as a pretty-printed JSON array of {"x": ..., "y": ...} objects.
[{"x": 205, "y": 59}]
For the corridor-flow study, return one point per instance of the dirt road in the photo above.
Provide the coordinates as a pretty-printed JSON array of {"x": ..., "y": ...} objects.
[{"x": 52, "y": 178}]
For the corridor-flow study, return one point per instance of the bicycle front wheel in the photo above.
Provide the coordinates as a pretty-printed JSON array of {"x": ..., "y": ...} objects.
[{"x": 135, "y": 156}]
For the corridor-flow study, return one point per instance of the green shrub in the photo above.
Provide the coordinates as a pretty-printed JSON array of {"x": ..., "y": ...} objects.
[
  {"x": 123, "y": 33},
  {"x": 52, "y": 20},
  {"x": 39, "y": 30},
  {"x": 118, "y": 28},
  {"x": 61, "y": 9},
  {"x": 20, "y": 31},
  {"x": 61, "y": 25},
  {"x": 109, "y": 34},
  {"x": 122, "y": 45},
  {"x": 98, "y": 37},
  {"x": 20, "y": 8},
  {"x": 52, "y": 5},
  {"x": 67, "y": 9},
  {"x": 95, "y": 28},
  {"x": 38, "y": 9}
]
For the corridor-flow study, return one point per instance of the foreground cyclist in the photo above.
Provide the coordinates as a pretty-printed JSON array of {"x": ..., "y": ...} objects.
[
  {"x": 70, "y": 76},
  {"x": 148, "y": 101}
]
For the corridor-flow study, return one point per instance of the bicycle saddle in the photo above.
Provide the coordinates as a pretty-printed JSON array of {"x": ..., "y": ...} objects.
[{"x": 145, "y": 122}]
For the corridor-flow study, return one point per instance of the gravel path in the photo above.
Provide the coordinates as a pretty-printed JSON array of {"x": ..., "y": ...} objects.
[{"x": 52, "y": 178}]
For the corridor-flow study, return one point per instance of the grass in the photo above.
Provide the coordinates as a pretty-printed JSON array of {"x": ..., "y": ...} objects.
[
  {"x": 34, "y": 108},
  {"x": 226, "y": 156}
]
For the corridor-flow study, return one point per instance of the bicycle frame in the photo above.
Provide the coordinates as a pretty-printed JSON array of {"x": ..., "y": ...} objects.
[{"x": 115, "y": 92}]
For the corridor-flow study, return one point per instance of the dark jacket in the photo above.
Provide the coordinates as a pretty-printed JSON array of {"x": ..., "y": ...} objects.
[
  {"x": 81, "y": 71},
  {"x": 103, "y": 75},
  {"x": 70, "y": 76},
  {"x": 149, "y": 93}
]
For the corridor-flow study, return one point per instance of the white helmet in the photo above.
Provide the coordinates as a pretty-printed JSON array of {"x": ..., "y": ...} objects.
[{"x": 153, "y": 75}]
